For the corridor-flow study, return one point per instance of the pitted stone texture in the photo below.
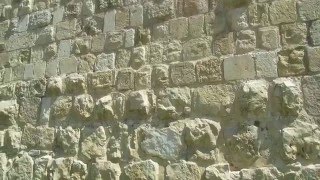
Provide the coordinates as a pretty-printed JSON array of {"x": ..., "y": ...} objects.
[
  {"x": 105, "y": 170},
  {"x": 291, "y": 62},
  {"x": 218, "y": 172},
  {"x": 22, "y": 168},
  {"x": 183, "y": 73},
  {"x": 8, "y": 112},
  {"x": 111, "y": 107},
  {"x": 165, "y": 143},
  {"x": 93, "y": 144},
  {"x": 83, "y": 105},
  {"x": 68, "y": 140},
  {"x": 308, "y": 9},
  {"x": 183, "y": 170},
  {"x": 142, "y": 170},
  {"x": 310, "y": 86},
  {"x": 283, "y": 12},
  {"x": 313, "y": 55},
  {"x": 39, "y": 137},
  {"x": 314, "y": 33}
]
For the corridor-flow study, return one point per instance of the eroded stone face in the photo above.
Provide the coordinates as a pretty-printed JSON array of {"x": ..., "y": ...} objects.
[{"x": 159, "y": 89}]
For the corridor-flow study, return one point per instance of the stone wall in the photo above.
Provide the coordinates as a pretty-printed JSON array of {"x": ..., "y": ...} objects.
[{"x": 159, "y": 89}]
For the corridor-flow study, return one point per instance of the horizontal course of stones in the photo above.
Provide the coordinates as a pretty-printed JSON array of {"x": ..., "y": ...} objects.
[{"x": 159, "y": 89}]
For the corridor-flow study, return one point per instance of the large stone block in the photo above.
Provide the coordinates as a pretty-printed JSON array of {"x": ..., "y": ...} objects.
[
  {"x": 315, "y": 33},
  {"x": 209, "y": 70},
  {"x": 310, "y": 87},
  {"x": 283, "y": 11},
  {"x": 293, "y": 34},
  {"x": 308, "y": 9},
  {"x": 183, "y": 73},
  {"x": 197, "y": 48},
  {"x": 39, "y": 137},
  {"x": 313, "y": 56},
  {"x": 239, "y": 67},
  {"x": 142, "y": 170}
]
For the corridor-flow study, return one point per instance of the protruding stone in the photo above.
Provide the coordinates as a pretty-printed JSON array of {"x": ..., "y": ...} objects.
[
  {"x": 138, "y": 103},
  {"x": 105, "y": 170},
  {"x": 283, "y": 12},
  {"x": 68, "y": 140},
  {"x": 83, "y": 105},
  {"x": 291, "y": 62},
  {"x": 29, "y": 110},
  {"x": 8, "y": 112},
  {"x": 22, "y": 168},
  {"x": 75, "y": 84},
  {"x": 111, "y": 107},
  {"x": 183, "y": 170},
  {"x": 39, "y": 137}
]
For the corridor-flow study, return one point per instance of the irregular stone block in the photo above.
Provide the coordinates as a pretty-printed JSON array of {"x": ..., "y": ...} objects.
[
  {"x": 105, "y": 62},
  {"x": 213, "y": 100},
  {"x": 238, "y": 19},
  {"x": 193, "y": 7},
  {"x": 83, "y": 105},
  {"x": 8, "y": 112},
  {"x": 224, "y": 45},
  {"x": 40, "y": 19},
  {"x": 122, "y": 18},
  {"x": 138, "y": 57},
  {"x": 258, "y": 14},
  {"x": 142, "y": 78},
  {"x": 196, "y": 25},
  {"x": 197, "y": 48},
  {"x": 268, "y": 38},
  {"x": 283, "y": 12},
  {"x": 105, "y": 170},
  {"x": 183, "y": 73},
  {"x": 218, "y": 171},
  {"x": 111, "y": 107},
  {"x": 183, "y": 170},
  {"x": 267, "y": 172},
  {"x": 125, "y": 79},
  {"x": 160, "y": 76},
  {"x": 246, "y": 41},
  {"x": 61, "y": 168},
  {"x": 20, "y": 41},
  {"x": 68, "y": 140},
  {"x": 114, "y": 40},
  {"x": 142, "y": 170},
  {"x": 293, "y": 34},
  {"x": 239, "y": 67},
  {"x": 291, "y": 62},
  {"x": 39, "y": 137},
  {"x": 159, "y": 10},
  {"x": 41, "y": 167},
  {"x": 94, "y": 143},
  {"x": 75, "y": 84},
  {"x": 308, "y": 9},
  {"x": 22, "y": 167},
  {"x": 98, "y": 43},
  {"x": 136, "y": 15},
  {"x": 138, "y": 103},
  {"x": 165, "y": 143},
  {"x": 101, "y": 80},
  {"x": 67, "y": 29},
  {"x": 60, "y": 109},
  {"x": 209, "y": 70},
  {"x": 29, "y": 110}
]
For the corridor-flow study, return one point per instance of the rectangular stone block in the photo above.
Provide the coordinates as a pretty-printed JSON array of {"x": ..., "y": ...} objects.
[
  {"x": 109, "y": 21},
  {"x": 313, "y": 56},
  {"x": 239, "y": 67},
  {"x": 64, "y": 48},
  {"x": 293, "y": 34},
  {"x": 136, "y": 15},
  {"x": 52, "y": 68},
  {"x": 28, "y": 72},
  {"x": 98, "y": 43},
  {"x": 268, "y": 38},
  {"x": 20, "y": 41},
  {"x": 183, "y": 73},
  {"x": 178, "y": 28},
  {"x": 105, "y": 62},
  {"x": 197, "y": 48},
  {"x": 209, "y": 70},
  {"x": 309, "y": 9},
  {"x": 67, "y": 29},
  {"x": 315, "y": 33},
  {"x": 68, "y": 65},
  {"x": 196, "y": 25},
  {"x": 125, "y": 79},
  {"x": 46, "y": 35},
  {"x": 101, "y": 81},
  {"x": 266, "y": 64},
  {"x": 40, "y": 19},
  {"x": 284, "y": 11}
]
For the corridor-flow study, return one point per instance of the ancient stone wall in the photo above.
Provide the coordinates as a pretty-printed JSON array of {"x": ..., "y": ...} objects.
[{"x": 159, "y": 89}]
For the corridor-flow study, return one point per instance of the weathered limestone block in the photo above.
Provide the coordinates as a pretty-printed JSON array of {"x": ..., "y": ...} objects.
[
  {"x": 55, "y": 86},
  {"x": 139, "y": 103},
  {"x": 209, "y": 70},
  {"x": 40, "y": 19},
  {"x": 79, "y": 170},
  {"x": 75, "y": 84},
  {"x": 8, "y": 112},
  {"x": 88, "y": 7},
  {"x": 310, "y": 87},
  {"x": 239, "y": 67},
  {"x": 138, "y": 57},
  {"x": 218, "y": 172},
  {"x": 68, "y": 140},
  {"x": 104, "y": 4},
  {"x": 12, "y": 139},
  {"x": 213, "y": 100},
  {"x": 173, "y": 51},
  {"x": 142, "y": 78},
  {"x": 98, "y": 43},
  {"x": 29, "y": 110},
  {"x": 283, "y": 12},
  {"x": 314, "y": 33},
  {"x": 41, "y": 166},
  {"x": 136, "y": 15},
  {"x": 61, "y": 108},
  {"x": 242, "y": 147},
  {"x": 61, "y": 168},
  {"x": 3, "y": 165},
  {"x": 22, "y": 167},
  {"x": 258, "y": 14},
  {"x": 293, "y": 34},
  {"x": 196, "y": 25},
  {"x": 105, "y": 170},
  {"x": 266, "y": 64},
  {"x": 39, "y": 137},
  {"x": 173, "y": 102},
  {"x": 197, "y": 48},
  {"x": 238, "y": 18},
  {"x": 291, "y": 62},
  {"x": 253, "y": 98},
  {"x": 160, "y": 76},
  {"x": 67, "y": 29},
  {"x": 105, "y": 62},
  {"x": 166, "y": 143},
  {"x": 288, "y": 99},
  {"x": 68, "y": 65},
  {"x": 94, "y": 142},
  {"x": 201, "y": 138},
  {"x": 101, "y": 81},
  {"x": 159, "y": 10},
  {"x": 178, "y": 28},
  {"x": 313, "y": 57},
  {"x": 308, "y": 9},
  {"x": 125, "y": 79},
  {"x": 193, "y": 7},
  {"x": 183, "y": 73},
  {"x": 82, "y": 45},
  {"x": 142, "y": 170},
  {"x": 183, "y": 170},
  {"x": 300, "y": 140},
  {"x": 268, "y": 38},
  {"x": 83, "y": 105},
  {"x": 64, "y": 48},
  {"x": 20, "y": 41},
  {"x": 224, "y": 45},
  {"x": 114, "y": 40},
  {"x": 111, "y": 107},
  {"x": 246, "y": 41},
  {"x": 261, "y": 173}
]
